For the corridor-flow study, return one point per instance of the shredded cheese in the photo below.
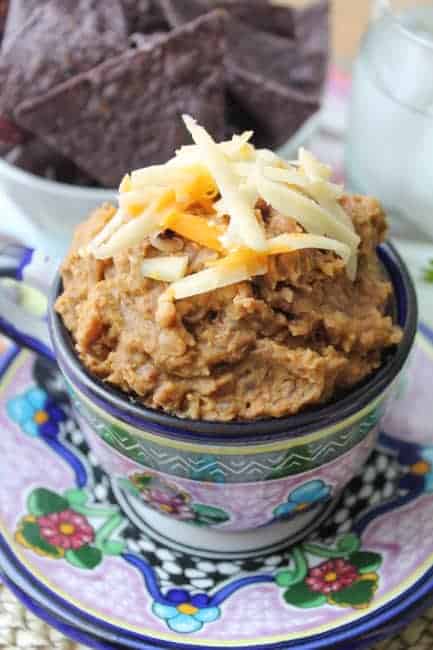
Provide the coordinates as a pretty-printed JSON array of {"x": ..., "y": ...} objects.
[
  {"x": 196, "y": 228},
  {"x": 191, "y": 183},
  {"x": 241, "y": 211},
  {"x": 134, "y": 202},
  {"x": 288, "y": 176},
  {"x": 326, "y": 194},
  {"x": 314, "y": 169},
  {"x": 287, "y": 243},
  {"x": 236, "y": 267},
  {"x": 238, "y": 148},
  {"x": 131, "y": 233},
  {"x": 165, "y": 269},
  {"x": 156, "y": 175},
  {"x": 307, "y": 213},
  {"x": 207, "y": 185},
  {"x": 125, "y": 185},
  {"x": 106, "y": 232}
]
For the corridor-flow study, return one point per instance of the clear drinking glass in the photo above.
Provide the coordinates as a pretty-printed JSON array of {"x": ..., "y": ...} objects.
[{"x": 390, "y": 139}]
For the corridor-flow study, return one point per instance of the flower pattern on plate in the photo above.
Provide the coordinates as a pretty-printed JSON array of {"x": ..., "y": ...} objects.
[
  {"x": 347, "y": 578},
  {"x": 186, "y": 613},
  {"x": 169, "y": 499},
  {"x": 66, "y": 530},
  {"x": 162, "y": 496},
  {"x": 302, "y": 498},
  {"x": 331, "y": 576},
  {"x": 58, "y": 527},
  {"x": 424, "y": 468},
  {"x": 36, "y": 413}
]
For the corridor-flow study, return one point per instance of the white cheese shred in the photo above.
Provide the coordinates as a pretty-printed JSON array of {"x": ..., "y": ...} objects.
[
  {"x": 165, "y": 269},
  {"x": 292, "y": 242},
  {"x": 241, "y": 210},
  {"x": 131, "y": 233},
  {"x": 216, "y": 277}
]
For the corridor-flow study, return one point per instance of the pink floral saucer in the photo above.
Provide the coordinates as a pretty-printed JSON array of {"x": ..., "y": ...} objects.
[{"x": 74, "y": 547}]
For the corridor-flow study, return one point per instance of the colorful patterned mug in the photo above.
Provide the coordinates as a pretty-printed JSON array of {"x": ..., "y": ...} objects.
[{"x": 263, "y": 482}]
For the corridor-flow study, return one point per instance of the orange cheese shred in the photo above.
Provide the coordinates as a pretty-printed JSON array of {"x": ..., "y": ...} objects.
[
  {"x": 243, "y": 257},
  {"x": 195, "y": 185},
  {"x": 195, "y": 228}
]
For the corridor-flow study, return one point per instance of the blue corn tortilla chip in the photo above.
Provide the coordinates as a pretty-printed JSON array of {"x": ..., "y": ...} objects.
[
  {"x": 56, "y": 42},
  {"x": 258, "y": 73},
  {"x": 36, "y": 157},
  {"x": 260, "y": 14},
  {"x": 275, "y": 82},
  {"x": 275, "y": 111},
  {"x": 312, "y": 36},
  {"x": 260, "y": 53},
  {"x": 256, "y": 51},
  {"x": 297, "y": 54},
  {"x": 46, "y": 42},
  {"x": 144, "y": 16},
  {"x": 126, "y": 112},
  {"x": 13, "y": 15},
  {"x": 10, "y": 135}
]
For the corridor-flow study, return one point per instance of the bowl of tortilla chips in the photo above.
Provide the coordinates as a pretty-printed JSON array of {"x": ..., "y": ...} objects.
[{"x": 89, "y": 89}]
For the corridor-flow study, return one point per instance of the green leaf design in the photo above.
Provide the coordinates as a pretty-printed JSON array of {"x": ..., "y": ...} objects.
[
  {"x": 44, "y": 502},
  {"x": 207, "y": 515},
  {"x": 76, "y": 497},
  {"x": 289, "y": 577},
  {"x": 348, "y": 543},
  {"x": 113, "y": 548},
  {"x": 365, "y": 561},
  {"x": 357, "y": 595},
  {"x": 86, "y": 557},
  {"x": 300, "y": 595},
  {"x": 284, "y": 578},
  {"x": 126, "y": 485},
  {"x": 143, "y": 481},
  {"x": 31, "y": 534}
]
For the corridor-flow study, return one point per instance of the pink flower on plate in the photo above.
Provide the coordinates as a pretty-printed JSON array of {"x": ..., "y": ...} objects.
[
  {"x": 175, "y": 504},
  {"x": 67, "y": 530},
  {"x": 332, "y": 576}
]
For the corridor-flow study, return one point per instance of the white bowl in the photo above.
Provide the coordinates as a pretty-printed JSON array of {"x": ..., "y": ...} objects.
[{"x": 55, "y": 208}]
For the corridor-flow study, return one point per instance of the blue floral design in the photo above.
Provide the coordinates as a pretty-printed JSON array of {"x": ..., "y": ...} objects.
[
  {"x": 303, "y": 498},
  {"x": 423, "y": 468},
  {"x": 185, "y": 613},
  {"x": 36, "y": 413}
]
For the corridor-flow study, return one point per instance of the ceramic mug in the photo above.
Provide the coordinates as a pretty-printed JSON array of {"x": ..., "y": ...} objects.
[{"x": 237, "y": 486}]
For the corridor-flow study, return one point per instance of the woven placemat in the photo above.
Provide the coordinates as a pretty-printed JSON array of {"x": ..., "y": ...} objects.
[
  {"x": 416, "y": 636},
  {"x": 21, "y": 630}
]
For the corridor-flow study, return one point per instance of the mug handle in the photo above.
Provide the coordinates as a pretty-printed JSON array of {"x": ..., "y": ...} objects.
[{"x": 33, "y": 269}]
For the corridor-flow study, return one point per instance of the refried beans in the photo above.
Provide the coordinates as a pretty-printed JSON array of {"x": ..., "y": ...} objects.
[{"x": 271, "y": 346}]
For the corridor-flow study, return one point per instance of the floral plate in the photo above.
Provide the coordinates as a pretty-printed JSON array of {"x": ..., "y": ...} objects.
[{"x": 70, "y": 542}]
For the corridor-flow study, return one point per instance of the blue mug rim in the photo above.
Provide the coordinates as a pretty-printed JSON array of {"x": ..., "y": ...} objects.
[{"x": 127, "y": 409}]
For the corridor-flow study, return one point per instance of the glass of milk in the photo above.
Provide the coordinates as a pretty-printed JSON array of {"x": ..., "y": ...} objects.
[{"x": 390, "y": 140}]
